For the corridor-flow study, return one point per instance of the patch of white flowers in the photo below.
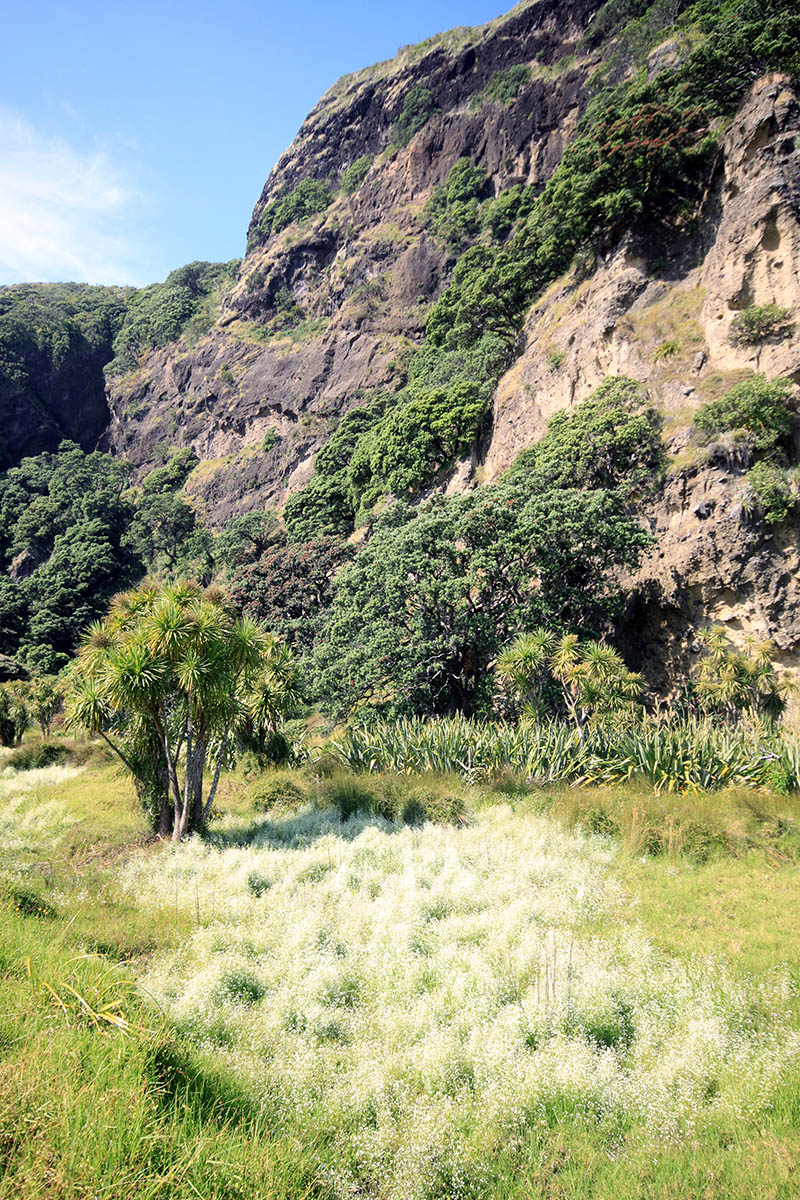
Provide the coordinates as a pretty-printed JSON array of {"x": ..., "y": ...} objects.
[
  {"x": 429, "y": 990},
  {"x": 28, "y": 811}
]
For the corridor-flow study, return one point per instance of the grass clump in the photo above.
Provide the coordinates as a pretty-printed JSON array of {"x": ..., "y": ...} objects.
[{"x": 698, "y": 828}]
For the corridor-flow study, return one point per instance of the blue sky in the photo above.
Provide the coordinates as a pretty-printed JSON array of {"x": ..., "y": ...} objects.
[{"x": 135, "y": 137}]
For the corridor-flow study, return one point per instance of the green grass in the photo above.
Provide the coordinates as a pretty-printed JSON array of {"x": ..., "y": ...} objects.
[{"x": 89, "y": 1110}]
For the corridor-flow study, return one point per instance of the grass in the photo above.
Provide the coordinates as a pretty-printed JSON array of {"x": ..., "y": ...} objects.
[{"x": 187, "y": 1102}]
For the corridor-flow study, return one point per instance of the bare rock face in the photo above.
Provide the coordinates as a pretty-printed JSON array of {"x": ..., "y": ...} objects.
[{"x": 257, "y": 396}]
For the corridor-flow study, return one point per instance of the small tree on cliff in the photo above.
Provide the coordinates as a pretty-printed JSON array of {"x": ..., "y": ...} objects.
[{"x": 166, "y": 679}]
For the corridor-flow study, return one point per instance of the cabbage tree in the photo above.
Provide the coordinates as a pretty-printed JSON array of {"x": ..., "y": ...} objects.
[{"x": 166, "y": 679}]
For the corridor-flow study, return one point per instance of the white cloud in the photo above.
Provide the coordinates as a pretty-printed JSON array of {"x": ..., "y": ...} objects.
[{"x": 65, "y": 213}]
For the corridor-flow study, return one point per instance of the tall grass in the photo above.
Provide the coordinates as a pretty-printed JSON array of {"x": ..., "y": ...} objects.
[
  {"x": 372, "y": 1008},
  {"x": 429, "y": 996},
  {"x": 671, "y": 755}
]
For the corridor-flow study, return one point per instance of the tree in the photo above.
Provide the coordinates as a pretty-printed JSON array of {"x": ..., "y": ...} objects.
[
  {"x": 734, "y": 682},
  {"x": 246, "y": 537},
  {"x": 591, "y": 677},
  {"x": 14, "y": 714},
  {"x": 594, "y": 680},
  {"x": 420, "y": 614},
  {"x": 165, "y": 533},
  {"x": 64, "y": 523},
  {"x": 525, "y": 666},
  {"x": 166, "y": 679},
  {"x": 46, "y": 698},
  {"x": 290, "y": 588}
]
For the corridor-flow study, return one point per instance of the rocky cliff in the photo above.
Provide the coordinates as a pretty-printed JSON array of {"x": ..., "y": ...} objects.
[
  {"x": 324, "y": 310},
  {"x": 668, "y": 325},
  {"x": 344, "y": 264}
]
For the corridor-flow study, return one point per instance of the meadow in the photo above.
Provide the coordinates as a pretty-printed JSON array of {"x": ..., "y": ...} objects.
[{"x": 398, "y": 985}]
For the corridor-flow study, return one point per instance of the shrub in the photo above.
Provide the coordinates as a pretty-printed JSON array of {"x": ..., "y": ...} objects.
[
  {"x": 279, "y": 793},
  {"x": 355, "y": 174},
  {"x": 270, "y": 440},
  {"x": 29, "y": 758},
  {"x": 763, "y": 407},
  {"x": 418, "y": 107},
  {"x": 555, "y": 359},
  {"x": 761, "y": 323},
  {"x": 255, "y": 280},
  {"x": 769, "y": 485},
  {"x": 414, "y": 441},
  {"x": 453, "y": 210},
  {"x": 610, "y": 440},
  {"x": 506, "y": 85},
  {"x": 308, "y": 198}
]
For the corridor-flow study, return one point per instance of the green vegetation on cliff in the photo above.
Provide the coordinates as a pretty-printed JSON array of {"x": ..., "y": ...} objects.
[{"x": 158, "y": 314}]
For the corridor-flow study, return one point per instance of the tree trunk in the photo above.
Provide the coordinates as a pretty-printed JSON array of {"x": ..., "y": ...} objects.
[
  {"x": 197, "y": 768},
  {"x": 182, "y": 823},
  {"x": 213, "y": 790},
  {"x": 165, "y": 823}
]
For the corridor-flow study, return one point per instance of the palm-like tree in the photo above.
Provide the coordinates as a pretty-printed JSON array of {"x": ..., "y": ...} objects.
[
  {"x": 739, "y": 681},
  {"x": 591, "y": 675},
  {"x": 168, "y": 674},
  {"x": 525, "y": 666}
]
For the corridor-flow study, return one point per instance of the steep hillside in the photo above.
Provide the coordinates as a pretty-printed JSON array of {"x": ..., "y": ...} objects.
[
  {"x": 327, "y": 307},
  {"x": 55, "y": 340},
  {"x": 469, "y": 238},
  {"x": 671, "y": 324}
]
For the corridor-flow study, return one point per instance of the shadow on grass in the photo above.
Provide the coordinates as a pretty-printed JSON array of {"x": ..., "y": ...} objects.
[{"x": 298, "y": 830}]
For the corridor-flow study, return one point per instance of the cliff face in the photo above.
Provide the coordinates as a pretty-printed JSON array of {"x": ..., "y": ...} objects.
[
  {"x": 326, "y": 308},
  {"x": 323, "y": 310},
  {"x": 669, "y": 325},
  {"x": 55, "y": 340}
]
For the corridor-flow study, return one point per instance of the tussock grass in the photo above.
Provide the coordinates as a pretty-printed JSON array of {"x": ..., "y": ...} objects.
[{"x": 702, "y": 827}]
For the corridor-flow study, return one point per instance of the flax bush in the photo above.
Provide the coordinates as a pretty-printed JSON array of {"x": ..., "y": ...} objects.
[{"x": 671, "y": 755}]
